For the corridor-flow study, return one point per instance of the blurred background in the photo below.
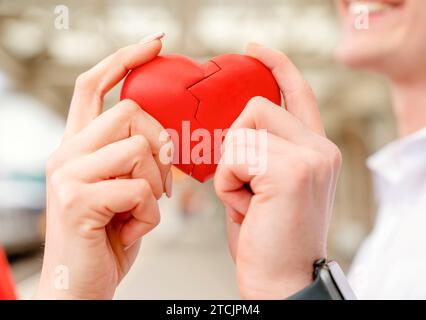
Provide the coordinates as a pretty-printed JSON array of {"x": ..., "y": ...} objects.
[{"x": 187, "y": 256}]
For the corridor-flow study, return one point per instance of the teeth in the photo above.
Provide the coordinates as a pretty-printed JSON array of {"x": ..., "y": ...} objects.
[{"x": 357, "y": 7}]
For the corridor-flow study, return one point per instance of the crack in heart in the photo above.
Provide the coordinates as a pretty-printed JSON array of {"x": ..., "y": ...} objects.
[{"x": 174, "y": 89}]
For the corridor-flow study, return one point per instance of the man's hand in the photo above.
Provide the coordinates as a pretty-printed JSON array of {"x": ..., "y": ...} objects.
[
  {"x": 102, "y": 185},
  {"x": 278, "y": 227}
]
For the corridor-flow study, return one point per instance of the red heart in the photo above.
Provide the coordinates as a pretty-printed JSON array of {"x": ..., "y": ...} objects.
[{"x": 179, "y": 92}]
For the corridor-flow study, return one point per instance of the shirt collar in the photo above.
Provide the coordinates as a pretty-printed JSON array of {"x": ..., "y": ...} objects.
[{"x": 400, "y": 158}]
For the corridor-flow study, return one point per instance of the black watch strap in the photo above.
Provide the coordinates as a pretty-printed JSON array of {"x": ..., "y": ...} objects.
[
  {"x": 315, "y": 291},
  {"x": 323, "y": 287}
]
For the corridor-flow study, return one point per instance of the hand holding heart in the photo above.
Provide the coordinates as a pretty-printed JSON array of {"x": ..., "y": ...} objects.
[
  {"x": 278, "y": 229},
  {"x": 102, "y": 185},
  {"x": 104, "y": 181},
  {"x": 198, "y": 102}
]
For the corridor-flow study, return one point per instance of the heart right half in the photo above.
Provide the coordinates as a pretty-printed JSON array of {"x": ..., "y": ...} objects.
[{"x": 193, "y": 101}]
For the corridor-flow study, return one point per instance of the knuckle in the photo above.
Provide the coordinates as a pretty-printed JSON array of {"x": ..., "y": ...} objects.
[
  {"x": 141, "y": 145},
  {"x": 255, "y": 102},
  {"x": 67, "y": 195},
  {"x": 65, "y": 192},
  {"x": 143, "y": 187},
  {"x": 319, "y": 161},
  {"x": 84, "y": 80},
  {"x": 52, "y": 163},
  {"x": 251, "y": 110},
  {"x": 332, "y": 153},
  {"x": 145, "y": 191},
  {"x": 255, "y": 110},
  {"x": 56, "y": 179},
  {"x": 302, "y": 174},
  {"x": 335, "y": 156},
  {"x": 129, "y": 107}
]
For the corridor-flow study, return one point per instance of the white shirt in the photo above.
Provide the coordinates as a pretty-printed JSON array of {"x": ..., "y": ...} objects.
[{"x": 391, "y": 264}]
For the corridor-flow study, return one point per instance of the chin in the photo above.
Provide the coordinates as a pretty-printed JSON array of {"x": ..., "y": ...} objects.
[
  {"x": 349, "y": 58},
  {"x": 372, "y": 47},
  {"x": 360, "y": 56},
  {"x": 392, "y": 43}
]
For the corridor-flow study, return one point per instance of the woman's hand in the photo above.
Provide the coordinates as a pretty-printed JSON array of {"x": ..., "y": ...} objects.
[
  {"x": 278, "y": 227},
  {"x": 102, "y": 184}
]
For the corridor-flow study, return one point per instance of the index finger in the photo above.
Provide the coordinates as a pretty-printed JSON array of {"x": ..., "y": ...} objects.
[
  {"x": 298, "y": 96},
  {"x": 123, "y": 121},
  {"x": 92, "y": 85}
]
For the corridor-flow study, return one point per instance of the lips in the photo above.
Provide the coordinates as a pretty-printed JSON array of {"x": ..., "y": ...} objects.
[
  {"x": 354, "y": 7},
  {"x": 373, "y": 15},
  {"x": 371, "y": 7}
]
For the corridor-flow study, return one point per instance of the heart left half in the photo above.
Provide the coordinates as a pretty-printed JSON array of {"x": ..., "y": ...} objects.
[{"x": 197, "y": 103}]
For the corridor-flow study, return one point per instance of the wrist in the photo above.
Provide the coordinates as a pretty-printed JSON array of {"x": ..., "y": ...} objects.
[
  {"x": 279, "y": 281},
  {"x": 276, "y": 288},
  {"x": 46, "y": 291},
  {"x": 55, "y": 284}
]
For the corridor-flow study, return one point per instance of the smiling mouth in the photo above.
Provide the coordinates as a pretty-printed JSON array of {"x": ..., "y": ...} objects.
[{"x": 372, "y": 7}]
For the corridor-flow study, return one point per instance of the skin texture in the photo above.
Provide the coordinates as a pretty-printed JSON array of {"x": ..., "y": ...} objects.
[
  {"x": 393, "y": 46},
  {"x": 102, "y": 184},
  {"x": 278, "y": 230}
]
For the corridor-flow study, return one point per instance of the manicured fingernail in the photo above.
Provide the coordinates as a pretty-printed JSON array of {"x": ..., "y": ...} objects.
[
  {"x": 152, "y": 37},
  {"x": 170, "y": 150},
  {"x": 168, "y": 184}
]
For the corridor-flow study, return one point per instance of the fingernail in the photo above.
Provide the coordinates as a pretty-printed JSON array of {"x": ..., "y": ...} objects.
[
  {"x": 168, "y": 184},
  {"x": 152, "y": 37},
  {"x": 170, "y": 151}
]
